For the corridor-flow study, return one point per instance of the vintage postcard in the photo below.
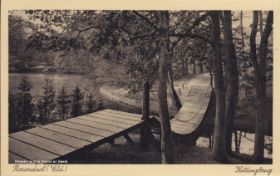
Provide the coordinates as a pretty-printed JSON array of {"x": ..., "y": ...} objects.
[{"x": 139, "y": 88}]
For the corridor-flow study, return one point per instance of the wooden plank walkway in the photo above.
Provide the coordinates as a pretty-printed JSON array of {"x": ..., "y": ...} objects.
[
  {"x": 62, "y": 138},
  {"x": 195, "y": 102},
  {"x": 59, "y": 139}
]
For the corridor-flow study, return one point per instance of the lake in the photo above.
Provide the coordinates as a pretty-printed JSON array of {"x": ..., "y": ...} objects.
[{"x": 58, "y": 80}]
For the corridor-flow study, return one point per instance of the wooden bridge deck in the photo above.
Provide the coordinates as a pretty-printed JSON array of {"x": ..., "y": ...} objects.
[
  {"x": 195, "y": 98},
  {"x": 59, "y": 139},
  {"x": 193, "y": 111}
]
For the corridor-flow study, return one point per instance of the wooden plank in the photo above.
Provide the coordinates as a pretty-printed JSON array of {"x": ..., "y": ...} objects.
[
  {"x": 28, "y": 151},
  {"x": 131, "y": 115},
  {"x": 74, "y": 133},
  {"x": 95, "y": 125},
  {"x": 105, "y": 122},
  {"x": 123, "y": 113},
  {"x": 177, "y": 130},
  {"x": 196, "y": 89},
  {"x": 192, "y": 113},
  {"x": 177, "y": 127},
  {"x": 113, "y": 118},
  {"x": 193, "y": 110},
  {"x": 198, "y": 95},
  {"x": 192, "y": 120},
  {"x": 122, "y": 116},
  {"x": 182, "y": 131},
  {"x": 13, "y": 157},
  {"x": 43, "y": 143},
  {"x": 187, "y": 108},
  {"x": 84, "y": 128},
  {"x": 193, "y": 100},
  {"x": 181, "y": 116},
  {"x": 198, "y": 99},
  {"x": 193, "y": 105},
  {"x": 58, "y": 137},
  {"x": 183, "y": 124}
]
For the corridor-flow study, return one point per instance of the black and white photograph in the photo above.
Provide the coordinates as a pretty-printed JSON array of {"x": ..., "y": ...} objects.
[{"x": 140, "y": 87}]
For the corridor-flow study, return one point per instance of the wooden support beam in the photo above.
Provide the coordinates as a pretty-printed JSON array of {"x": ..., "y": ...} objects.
[
  {"x": 154, "y": 141},
  {"x": 128, "y": 138},
  {"x": 210, "y": 141},
  {"x": 144, "y": 139},
  {"x": 112, "y": 142},
  {"x": 236, "y": 141}
]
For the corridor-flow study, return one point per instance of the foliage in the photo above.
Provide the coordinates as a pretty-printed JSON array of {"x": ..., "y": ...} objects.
[
  {"x": 25, "y": 85},
  {"x": 91, "y": 103},
  {"x": 77, "y": 98},
  {"x": 13, "y": 114},
  {"x": 128, "y": 38},
  {"x": 48, "y": 100},
  {"x": 21, "y": 107},
  {"x": 16, "y": 35},
  {"x": 63, "y": 101}
]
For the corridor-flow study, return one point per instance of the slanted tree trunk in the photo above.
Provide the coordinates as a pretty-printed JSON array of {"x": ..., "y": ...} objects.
[
  {"x": 175, "y": 98},
  {"x": 166, "y": 143},
  {"x": 219, "y": 150},
  {"x": 260, "y": 82},
  {"x": 232, "y": 88}
]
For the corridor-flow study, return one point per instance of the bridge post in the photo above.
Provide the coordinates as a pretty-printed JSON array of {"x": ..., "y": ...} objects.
[
  {"x": 144, "y": 130},
  {"x": 211, "y": 79}
]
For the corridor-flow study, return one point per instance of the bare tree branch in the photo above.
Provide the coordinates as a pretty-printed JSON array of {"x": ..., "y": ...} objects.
[
  {"x": 146, "y": 19},
  {"x": 189, "y": 30},
  {"x": 191, "y": 36}
]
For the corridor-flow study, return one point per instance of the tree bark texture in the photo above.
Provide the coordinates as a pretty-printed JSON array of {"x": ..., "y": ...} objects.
[
  {"x": 232, "y": 88},
  {"x": 174, "y": 96},
  {"x": 242, "y": 32},
  {"x": 219, "y": 150},
  {"x": 166, "y": 143},
  {"x": 261, "y": 22},
  {"x": 260, "y": 81}
]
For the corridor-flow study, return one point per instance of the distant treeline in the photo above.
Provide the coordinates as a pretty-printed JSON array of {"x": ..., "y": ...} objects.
[{"x": 26, "y": 111}]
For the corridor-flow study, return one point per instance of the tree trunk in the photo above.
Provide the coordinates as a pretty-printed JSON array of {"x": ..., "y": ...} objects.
[
  {"x": 261, "y": 22},
  {"x": 232, "y": 78},
  {"x": 201, "y": 64},
  {"x": 166, "y": 143},
  {"x": 187, "y": 65},
  {"x": 144, "y": 130},
  {"x": 194, "y": 67},
  {"x": 242, "y": 32},
  {"x": 219, "y": 150},
  {"x": 260, "y": 82},
  {"x": 174, "y": 96}
]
